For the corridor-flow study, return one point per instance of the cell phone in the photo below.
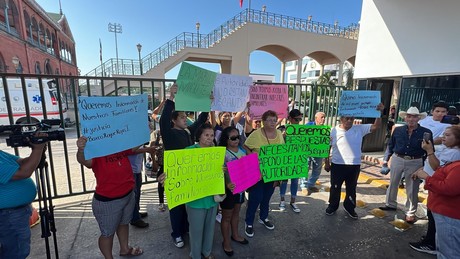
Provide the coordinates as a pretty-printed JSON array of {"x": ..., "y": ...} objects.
[{"x": 427, "y": 136}]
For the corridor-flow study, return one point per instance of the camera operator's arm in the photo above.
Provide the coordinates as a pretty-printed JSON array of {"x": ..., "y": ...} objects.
[
  {"x": 81, "y": 144},
  {"x": 28, "y": 165},
  {"x": 141, "y": 149}
]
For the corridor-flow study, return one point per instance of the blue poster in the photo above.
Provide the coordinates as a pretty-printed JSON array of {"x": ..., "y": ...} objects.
[
  {"x": 113, "y": 124},
  {"x": 359, "y": 104}
]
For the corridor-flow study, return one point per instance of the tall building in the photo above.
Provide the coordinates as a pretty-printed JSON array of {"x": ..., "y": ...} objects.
[{"x": 311, "y": 71}]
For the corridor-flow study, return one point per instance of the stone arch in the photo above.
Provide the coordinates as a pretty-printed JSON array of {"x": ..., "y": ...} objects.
[
  {"x": 281, "y": 52},
  {"x": 324, "y": 57}
]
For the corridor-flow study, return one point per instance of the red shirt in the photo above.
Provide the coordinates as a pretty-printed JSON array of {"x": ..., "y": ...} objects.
[
  {"x": 444, "y": 187},
  {"x": 114, "y": 175}
]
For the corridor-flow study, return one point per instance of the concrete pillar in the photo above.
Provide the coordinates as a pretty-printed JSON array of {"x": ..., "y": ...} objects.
[
  {"x": 240, "y": 65},
  {"x": 321, "y": 69},
  {"x": 226, "y": 67},
  {"x": 283, "y": 72},
  {"x": 299, "y": 70},
  {"x": 340, "y": 75}
]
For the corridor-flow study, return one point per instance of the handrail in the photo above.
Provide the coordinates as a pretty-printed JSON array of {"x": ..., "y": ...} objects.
[{"x": 204, "y": 41}]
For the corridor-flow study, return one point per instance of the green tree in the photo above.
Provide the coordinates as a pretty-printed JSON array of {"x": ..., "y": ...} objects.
[{"x": 326, "y": 79}]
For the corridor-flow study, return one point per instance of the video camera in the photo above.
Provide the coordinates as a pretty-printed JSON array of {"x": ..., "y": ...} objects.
[{"x": 24, "y": 134}]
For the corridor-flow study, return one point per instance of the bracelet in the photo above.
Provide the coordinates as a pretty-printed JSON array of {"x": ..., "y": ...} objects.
[{"x": 429, "y": 154}]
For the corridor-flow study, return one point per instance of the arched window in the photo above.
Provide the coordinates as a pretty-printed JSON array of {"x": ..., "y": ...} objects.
[
  {"x": 48, "y": 69},
  {"x": 48, "y": 40},
  {"x": 57, "y": 71},
  {"x": 41, "y": 33},
  {"x": 13, "y": 16},
  {"x": 35, "y": 36},
  {"x": 54, "y": 44},
  {"x": 37, "y": 68},
  {"x": 28, "y": 26},
  {"x": 3, "y": 67}
]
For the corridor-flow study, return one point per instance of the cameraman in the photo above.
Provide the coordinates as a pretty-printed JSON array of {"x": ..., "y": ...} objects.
[{"x": 17, "y": 191}]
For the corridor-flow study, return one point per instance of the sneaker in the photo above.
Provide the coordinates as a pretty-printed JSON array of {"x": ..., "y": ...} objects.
[
  {"x": 423, "y": 247},
  {"x": 282, "y": 206},
  {"x": 161, "y": 207},
  {"x": 352, "y": 213},
  {"x": 312, "y": 190},
  {"x": 249, "y": 230},
  {"x": 219, "y": 217},
  {"x": 140, "y": 223},
  {"x": 295, "y": 208},
  {"x": 143, "y": 214},
  {"x": 330, "y": 211},
  {"x": 178, "y": 242},
  {"x": 267, "y": 224}
]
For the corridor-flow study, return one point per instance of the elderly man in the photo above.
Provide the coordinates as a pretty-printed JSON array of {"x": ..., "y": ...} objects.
[
  {"x": 406, "y": 146},
  {"x": 346, "y": 140}
]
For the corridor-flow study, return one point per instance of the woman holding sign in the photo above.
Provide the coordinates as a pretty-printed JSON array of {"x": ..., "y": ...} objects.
[
  {"x": 261, "y": 193},
  {"x": 232, "y": 203},
  {"x": 202, "y": 212}
]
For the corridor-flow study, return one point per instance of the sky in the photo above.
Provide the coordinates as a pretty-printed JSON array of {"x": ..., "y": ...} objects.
[{"x": 152, "y": 23}]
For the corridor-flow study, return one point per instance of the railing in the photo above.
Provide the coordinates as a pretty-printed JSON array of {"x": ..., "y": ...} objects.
[{"x": 194, "y": 40}]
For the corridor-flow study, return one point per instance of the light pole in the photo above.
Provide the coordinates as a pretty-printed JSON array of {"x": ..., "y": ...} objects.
[
  {"x": 264, "y": 7},
  {"x": 116, "y": 28},
  {"x": 139, "y": 48},
  {"x": 197, "y": 25}
]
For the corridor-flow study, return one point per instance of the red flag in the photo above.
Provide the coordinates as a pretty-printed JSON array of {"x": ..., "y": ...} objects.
[{"x": 241, "y": 3}]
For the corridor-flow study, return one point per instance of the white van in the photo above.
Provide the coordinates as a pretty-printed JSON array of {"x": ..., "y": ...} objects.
[{"x": 34, "y": 100}]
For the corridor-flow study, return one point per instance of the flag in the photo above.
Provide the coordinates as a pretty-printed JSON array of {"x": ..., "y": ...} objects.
[
  {"x": 100, "y": 50},
  {"x": 241, "y": 3}
]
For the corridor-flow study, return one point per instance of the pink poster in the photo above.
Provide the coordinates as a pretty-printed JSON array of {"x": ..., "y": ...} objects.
[
  {"x": 244, "y": 172},
  {"x": 268, "y": 97}
]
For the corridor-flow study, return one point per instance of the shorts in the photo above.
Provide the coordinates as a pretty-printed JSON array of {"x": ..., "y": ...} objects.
[
  {"x": 110, "y": 214},
  {"x": 229, "y": 202}
]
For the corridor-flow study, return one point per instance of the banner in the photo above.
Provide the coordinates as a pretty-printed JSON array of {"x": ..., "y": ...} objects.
[
  {"x": 231, "y": 93},
  {"x": 315, "y": 138},
  {"x": 244, "y": 172},
  {"x": 113, "y": 124},
  {"x": 193, "y": 173},
  {"x": 283, "y": 161},
  {"x": 195, "y": 85},
  {"x": 268, "y": 97},
  {"x": 359, "y": 104}
]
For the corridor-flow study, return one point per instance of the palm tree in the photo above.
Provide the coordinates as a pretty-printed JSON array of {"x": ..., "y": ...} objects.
[
  {"x": 349, "y": 76},
  {"x": 326, "y": 79}
]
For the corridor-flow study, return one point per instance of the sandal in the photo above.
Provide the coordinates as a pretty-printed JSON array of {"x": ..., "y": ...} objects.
[{"x": 133, "y": 251}]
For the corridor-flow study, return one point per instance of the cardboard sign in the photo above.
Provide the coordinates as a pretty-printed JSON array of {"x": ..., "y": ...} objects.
[
  {"x": 283, "y": 161},
  {"x": 194, "y": 88},
  {"x": 359, "y": 104},
  {"x": 315, "y": 138},
  {"x": 193, "y": 173},
  {"x": 244, "y": 172},
  {"x": 113, "y": 124},
  {"x": 268, "y": 97},
  {"x": 231, "y": 93}
]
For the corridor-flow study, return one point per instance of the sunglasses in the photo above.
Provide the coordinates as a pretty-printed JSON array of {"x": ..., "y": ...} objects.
[{"x": 234, "y": 138}]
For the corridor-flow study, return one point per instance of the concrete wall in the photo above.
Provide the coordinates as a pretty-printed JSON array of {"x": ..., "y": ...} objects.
[{"x": 408, "y": 38}]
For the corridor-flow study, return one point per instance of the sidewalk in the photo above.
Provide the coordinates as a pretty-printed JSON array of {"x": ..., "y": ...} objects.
[{"x": 308, "y": 234}]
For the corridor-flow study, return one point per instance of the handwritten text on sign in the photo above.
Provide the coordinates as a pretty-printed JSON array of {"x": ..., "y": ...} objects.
[
  {"x": 114, "y": 123},
  {"x": 268, "y": 97},
  {"x": 195, "y": 85},
  {"x": 315, "y": 138},
  {"x": 231, "y": 93},
  {"x": 193, "y": 173},
  {"x": 283, "y": 161},
  {"x": 359, "y": 104},
  {"x": 244, "y": 172}
]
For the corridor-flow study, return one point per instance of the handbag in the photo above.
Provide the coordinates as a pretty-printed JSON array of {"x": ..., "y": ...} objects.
[{"x": 220, "y": 197}]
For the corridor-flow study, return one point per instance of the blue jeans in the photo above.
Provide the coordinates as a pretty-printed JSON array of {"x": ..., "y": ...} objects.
[
  {"x": 259, "y": 194},
  {"x": 316, "y": 164},
  {"x": 294, "y": 187},
  {"x": 447, "y": 236},
  {"x": 15, "y": 232},
  {"x": 137, "y": 197}
]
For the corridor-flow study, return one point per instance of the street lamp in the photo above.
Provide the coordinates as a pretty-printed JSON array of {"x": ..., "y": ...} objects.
[
  {"x": 309, "y": 18},
  {"x": 336, "y": 23},
  {"x": 264, "y": 7},
  {"x": 116, "y": 28},
  {"x": 197, "y": 25},
  {"x": 17, "y": 64},
  {"x": 139, "y": 48}
]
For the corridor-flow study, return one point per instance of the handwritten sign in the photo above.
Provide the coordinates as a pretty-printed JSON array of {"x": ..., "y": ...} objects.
[
  {"x": 283, "y": 161},
  {"x": 315, "y": 138},
  {"x": 268, "y": 97},
  {"x": 193, "y": 173},
  {"x": 244, "y": 172},
  {"x": 231, "y": 93},
  {"x": 359, "y": 104},
  {"x": 113, "y": 124},
  {"x": 195, "y": 85}
]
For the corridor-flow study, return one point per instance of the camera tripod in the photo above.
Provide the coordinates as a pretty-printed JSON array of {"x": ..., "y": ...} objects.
[{"x": 45, "y": 204}]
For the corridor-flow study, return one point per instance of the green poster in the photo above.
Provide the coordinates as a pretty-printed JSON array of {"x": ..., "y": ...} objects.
[
  {"x": 193, "y": 173},
  {"x": 315, "y": 138},
  {"x": 195, "y": 86},
  {"x": 283, "y": 161}
]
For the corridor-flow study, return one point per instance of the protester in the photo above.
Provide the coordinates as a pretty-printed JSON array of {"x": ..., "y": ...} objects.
[
  {"x": 17, "y": 192},
  {"x": 231, "y": 205},
  {"x": 405, "y": 143},
  {"x": 113, "y": 202},
  {"x": 433, "y": 122},
  {"x": 261, "y": 193},
  {"x": 436, "y": 159},
  {"x": 295, "y": 117},
  {"x": 158, "y": 143},
  {"x": 136, "y": 165},
  {"x": 346, "y": 140},
  {"x": 202, "y": 212},
  {"x": 177, "y": 135}
]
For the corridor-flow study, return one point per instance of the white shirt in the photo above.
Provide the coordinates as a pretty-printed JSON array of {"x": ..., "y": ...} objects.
[
  {"x": 444, "y": 155},
  {"x": 346, "y": 144},
  {"x": 435, "y": 126}
]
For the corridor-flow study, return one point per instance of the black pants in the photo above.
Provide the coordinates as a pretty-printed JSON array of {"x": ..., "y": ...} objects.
[
  {"x": 161, "y": 189},
  {"x": 430, "y": 237},
  {"x": 179, "y": 221},
  {"x": 339, "y": 174}
]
